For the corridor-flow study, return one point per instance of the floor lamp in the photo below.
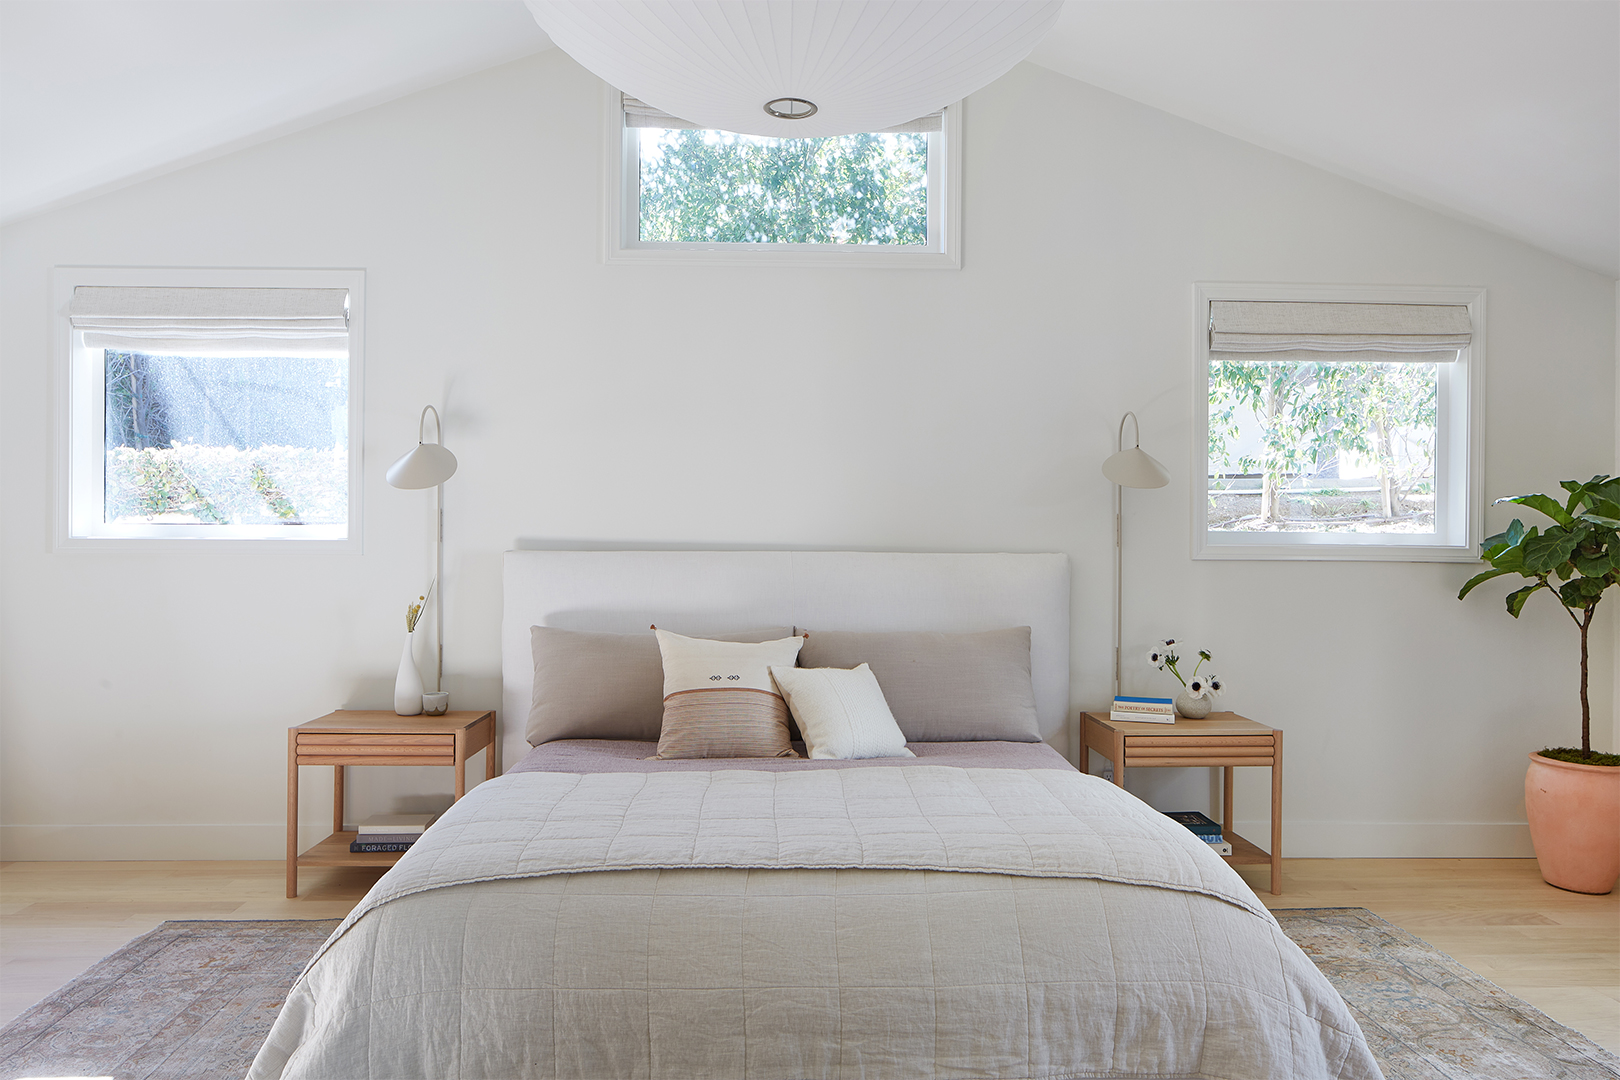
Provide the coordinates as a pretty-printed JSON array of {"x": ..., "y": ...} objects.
[
  {"x": 1133, "y": 468},
  {"x": 429, "y": 466}
]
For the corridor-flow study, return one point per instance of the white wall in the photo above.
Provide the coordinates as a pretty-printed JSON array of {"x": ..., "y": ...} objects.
[{"x": 146, "y": 697}]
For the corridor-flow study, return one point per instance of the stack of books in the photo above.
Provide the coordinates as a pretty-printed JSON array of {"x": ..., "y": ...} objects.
[
  {"x": 391, "y": 832},
  {"x": 1203, "y": 827},
  {"x": 1149, "y": 710}
]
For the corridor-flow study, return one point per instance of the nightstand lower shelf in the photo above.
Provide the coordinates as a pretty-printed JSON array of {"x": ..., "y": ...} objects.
[
  {"x": 1243, "y": 852},
  {"x": 334, "y": 851}
]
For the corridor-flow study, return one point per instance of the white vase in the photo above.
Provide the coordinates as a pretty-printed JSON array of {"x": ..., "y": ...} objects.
[
  {"x": 1193, "y": 708},
  {"x": 408, "y": 683}
]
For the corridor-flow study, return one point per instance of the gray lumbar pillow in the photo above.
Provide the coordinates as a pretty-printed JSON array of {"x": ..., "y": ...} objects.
[
  {"x": 942, "y": 687},
  {"x": 594, "y": 685}
]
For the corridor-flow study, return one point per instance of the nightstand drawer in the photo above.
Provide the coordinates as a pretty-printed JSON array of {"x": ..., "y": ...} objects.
[
  {"x": 1244, "y": 741},
  {"x": 340, "y": 757},
  {"x": 1147, "y": 751},
  {"x": 440, "y": 743},
  {"x": 322, "y": 749}
]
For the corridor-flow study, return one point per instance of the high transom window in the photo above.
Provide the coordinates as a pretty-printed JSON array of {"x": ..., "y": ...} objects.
[{"x": 874, "y": 198}]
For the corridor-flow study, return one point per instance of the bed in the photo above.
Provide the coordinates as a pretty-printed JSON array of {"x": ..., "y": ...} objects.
[{"x": 981, "y": 909}]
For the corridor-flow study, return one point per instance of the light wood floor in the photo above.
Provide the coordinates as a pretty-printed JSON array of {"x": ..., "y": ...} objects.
[{"x": 1560, "y": 951}]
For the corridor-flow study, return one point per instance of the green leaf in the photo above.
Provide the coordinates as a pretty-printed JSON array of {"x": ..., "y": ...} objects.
[
  {"x": 1477, "y": 578},
  {"x": 1595, "y": 564},
  {"x": 1546, "y": 504},
  {"x": 1580, "y": 592},
  {"x": 1600, "y": 520},
  {"x": 1516, "y": 599},
  {"x": 1606, "y": 488},
  {"x": 1512, "y": 536},
  {"x": 1545, "y": 553}
]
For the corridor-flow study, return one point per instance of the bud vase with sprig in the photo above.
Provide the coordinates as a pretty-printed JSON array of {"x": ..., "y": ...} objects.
[
  {"x": 1197, "y": 691},
  {"x": 408, "y": 683}
]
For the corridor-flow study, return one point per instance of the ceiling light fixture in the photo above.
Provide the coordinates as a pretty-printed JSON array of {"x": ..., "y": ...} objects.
[
  {"x": 868, "y": 65},
  {"x": 791, "y": 108}
]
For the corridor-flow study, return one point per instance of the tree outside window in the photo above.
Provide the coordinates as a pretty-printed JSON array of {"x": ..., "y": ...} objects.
[{"x": 1322, "y": 447}]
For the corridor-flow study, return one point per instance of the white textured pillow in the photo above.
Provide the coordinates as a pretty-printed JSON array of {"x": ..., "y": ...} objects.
[{"x": 841, "y": 712}]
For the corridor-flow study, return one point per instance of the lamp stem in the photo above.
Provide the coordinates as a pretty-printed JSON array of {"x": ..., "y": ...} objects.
[
  {"x": 1119, "y": 561},
  {"x": 438, "y": 570},
  {"x": 1119, "y": 544}
]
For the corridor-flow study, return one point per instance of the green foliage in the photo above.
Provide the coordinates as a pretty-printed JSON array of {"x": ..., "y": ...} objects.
[
  {"x": 1309, "y": 411},
  {"x": 224, "y": 485},
  {"x": 1576, "y": 559},
  {"x": 719, "y": 187}
]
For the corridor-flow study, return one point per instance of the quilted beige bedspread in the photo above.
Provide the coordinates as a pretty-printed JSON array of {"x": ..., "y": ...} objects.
[{"x": 919, "y": 921}]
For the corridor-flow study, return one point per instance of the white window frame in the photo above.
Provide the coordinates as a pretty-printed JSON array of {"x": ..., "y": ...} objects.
[
  {"x": 621, "y": 212},
  {"x": 1459, "y": 481},
  {"x": 79, "y": 437}
]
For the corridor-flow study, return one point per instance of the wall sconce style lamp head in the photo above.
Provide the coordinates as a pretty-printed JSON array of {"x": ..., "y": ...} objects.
[
  {"x": 1132, "y": 468},
  {"x": 429, "y": 464}
]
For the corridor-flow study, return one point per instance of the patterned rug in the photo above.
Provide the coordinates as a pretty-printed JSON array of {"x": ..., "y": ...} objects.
[
  {"x": 189, "y": 1000},
  {"x": 195, "y": 999},
  {"x": 1426, "y": 1017}
]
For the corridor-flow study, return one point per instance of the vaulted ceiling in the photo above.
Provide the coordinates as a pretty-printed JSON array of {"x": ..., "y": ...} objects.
[{"x": 1505, "y": 113}]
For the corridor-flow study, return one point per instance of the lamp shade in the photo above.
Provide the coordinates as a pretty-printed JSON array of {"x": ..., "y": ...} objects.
[
  {"x": 866, "y": 65},
  {"x": 428, "y": 465},
  {"x": 1135, "y": 468}
]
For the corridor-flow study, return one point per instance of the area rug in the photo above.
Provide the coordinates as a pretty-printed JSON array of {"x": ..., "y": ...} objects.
[
  {"x": 195, "y": 999},
  {"x": 189, "y": 1000},
  {"x": 1426, "y": 1017}
]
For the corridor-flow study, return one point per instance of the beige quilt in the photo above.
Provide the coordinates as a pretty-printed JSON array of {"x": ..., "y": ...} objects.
[{"x": 916, "y": 921}]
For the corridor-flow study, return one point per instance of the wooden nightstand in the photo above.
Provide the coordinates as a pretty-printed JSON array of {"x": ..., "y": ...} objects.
[
  {"x": 1224, "y": 740},
  {"x": 355, "y": 737}
]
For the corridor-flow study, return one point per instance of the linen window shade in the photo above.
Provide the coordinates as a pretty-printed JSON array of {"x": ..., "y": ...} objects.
[
  {"x": 279, "y": 322},
  {"x": 638, "y": 114},
  {"x": 1264, "y": 330}
]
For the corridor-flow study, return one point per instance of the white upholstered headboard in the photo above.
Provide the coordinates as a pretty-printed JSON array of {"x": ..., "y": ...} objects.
[{"x": 698, "y": 592}]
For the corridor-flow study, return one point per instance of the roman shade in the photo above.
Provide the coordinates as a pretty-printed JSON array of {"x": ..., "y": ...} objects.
[
  {"x": 638, "y": 114},
  {"x": 1266, "y": 330},
  {"x": 277, "y": 322}
]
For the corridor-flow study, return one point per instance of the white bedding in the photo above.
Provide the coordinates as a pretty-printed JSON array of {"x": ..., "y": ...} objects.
[{"x": 916, "y": 921}]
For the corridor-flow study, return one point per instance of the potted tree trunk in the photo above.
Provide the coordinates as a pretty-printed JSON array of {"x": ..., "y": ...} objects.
[{"x": 1572, "y": 797}]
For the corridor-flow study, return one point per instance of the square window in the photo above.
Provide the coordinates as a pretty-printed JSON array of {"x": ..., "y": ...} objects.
[
  {"x": 1337, "y": 423},
  {"x": 208, "y": 408}
]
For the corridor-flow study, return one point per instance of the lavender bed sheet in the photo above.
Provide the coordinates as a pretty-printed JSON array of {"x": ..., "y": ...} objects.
[{"x": 623, "y": 755}]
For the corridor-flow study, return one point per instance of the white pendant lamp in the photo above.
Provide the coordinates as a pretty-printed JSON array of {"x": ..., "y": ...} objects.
[
  {"x": 429, "y": 465},
  {"x": 1132, "y": 468},
  {"x": 797, "y": 68}
]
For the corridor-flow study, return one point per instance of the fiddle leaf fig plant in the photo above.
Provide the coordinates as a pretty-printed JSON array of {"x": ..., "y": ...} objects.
[{"x": 1576, "y": 559}]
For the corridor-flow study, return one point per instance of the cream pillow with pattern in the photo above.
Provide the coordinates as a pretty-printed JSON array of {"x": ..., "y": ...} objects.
[
  {"x": 720, "y": 700},
  {"x": 841, "y": 712}
]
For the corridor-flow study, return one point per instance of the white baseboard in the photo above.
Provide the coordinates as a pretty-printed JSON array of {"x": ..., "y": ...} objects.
[
  {"x": 112, "y": 843},
  {"x": 1301, "y": 840},
  {"x": 1395, "y": 839}
]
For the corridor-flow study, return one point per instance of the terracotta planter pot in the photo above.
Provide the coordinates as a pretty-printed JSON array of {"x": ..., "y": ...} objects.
[{"x": 1574, "y": 813}]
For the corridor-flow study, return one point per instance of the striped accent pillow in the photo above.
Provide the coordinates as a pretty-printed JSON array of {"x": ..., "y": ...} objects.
[{"x": 720, "y": 700}]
